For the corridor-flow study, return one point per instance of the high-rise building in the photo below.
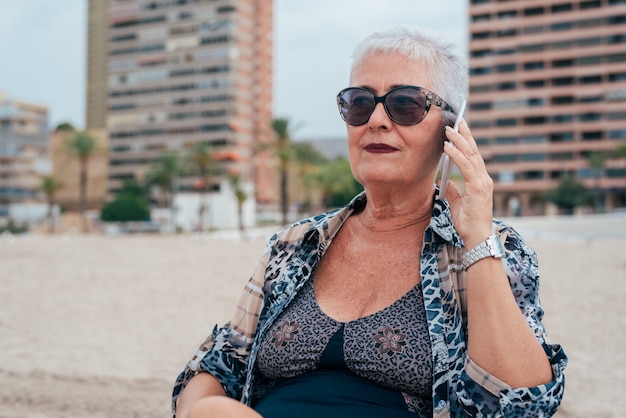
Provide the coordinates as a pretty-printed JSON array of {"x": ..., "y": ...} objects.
[
  {"x": 187, "y": 72},
  {"x": 548, "y": 97},
  {"x": 23, "y": 152},
  {"x": 96, "y": 89}
]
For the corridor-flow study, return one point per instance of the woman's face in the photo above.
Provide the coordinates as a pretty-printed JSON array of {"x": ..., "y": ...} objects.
[{"x": 383, "y": 153}]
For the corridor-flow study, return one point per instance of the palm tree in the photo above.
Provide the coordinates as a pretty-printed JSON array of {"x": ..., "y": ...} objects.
[
  {"x": 280, "y": 126},
  {"x": 308, "y": 160},
  {"x": 202, "y": 159},
  {"x": 163, "y": 173},
  {"x": 336, "y": 182},
  {"x": 596, "y": 162},
  {"x": 83, "y": 145},
  {"x": 50, "y": 186},
  {"x": 240, "y": 194}
]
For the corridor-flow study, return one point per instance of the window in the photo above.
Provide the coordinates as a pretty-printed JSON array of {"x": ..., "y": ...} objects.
[
  {"x": 533, "y": 11},
  {"x": 534, "y": 65},
  {"x": 532, "y": 175},
  {"x": 615, "y": 77},
  {"x": 562, "y": 100},
  {"x": 534, "y": 139},
  {"x": 506, "y": 68},
  {"x": 481, "y": 53},
  {"x": 559, "y": 8},
  {"x": 561, "y": 156},
  {"x": 562, "y": 137},
  {"x": 562, "y": 118},
  {"x": 563, "y": 81},
  {"x": 480, "y": 106},
  {"x": 480, "y": 71},
  {"x": 508, "y": 85},
  {"x": 506, "y": 140},
  {"x": 590, "y": 117},
  {"x": 591, "y": 136},
  {"x": 562, "y": 63},
  {"x": 533, "y": 29},
  {"x": 502, "y": 33},
  {"x": 590, "y": 79},
  {"x": 505, "y": 158},
  {"x": 593, "y": 4},
  {"x": 535, "y": 120},
  {"x": 508, "y": 14},
  {"x": 481, "y": 35},
  {"x": 589, "y": 60},
  {"x": 617, "y": 20},
  {"x": 556, "y": 27},
  {"x": 590, "y": 99},
  {"x": 480, "y": 89},
  {"x": 589, "y": 42},
  {"x": 481, "y": 18},
  {"x": 506, "y": 122},
  {"x": 532, "y": 48},
  {"x": 535, "y": 101},
  {"x": 533, "y": 84},
  {"x": 538, "y": 156}
]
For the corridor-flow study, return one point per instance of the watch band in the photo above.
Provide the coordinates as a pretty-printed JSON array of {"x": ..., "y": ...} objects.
[{"x": 491, "y": 247}]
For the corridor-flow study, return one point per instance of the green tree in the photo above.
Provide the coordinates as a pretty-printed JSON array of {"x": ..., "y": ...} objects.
[
  {"x": 568, "y": 195},
  {"x": 83, "y": 145},
  {"x": 125, "y": 208},
  {"x": 163, "y": 174},
  {"x": 336, "y": 183},
  {"x": 284, "y": 152},
  {"x": 50, "y": 186},
  {"x": 65, "y": 126},
  {"x": 241, "y": 195},
  {"x": 308, "y": 159},
  {"x": 136, "y": 189},
  {"x": 596, "y": 161},
  {"x": 202, "y": 160}
]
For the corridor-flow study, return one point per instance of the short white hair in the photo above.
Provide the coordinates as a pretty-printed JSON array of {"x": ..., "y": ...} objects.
[{"x": 448, "y": 68}]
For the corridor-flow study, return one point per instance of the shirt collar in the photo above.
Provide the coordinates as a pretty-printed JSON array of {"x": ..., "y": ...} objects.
[{"x": 327, "y": 225}]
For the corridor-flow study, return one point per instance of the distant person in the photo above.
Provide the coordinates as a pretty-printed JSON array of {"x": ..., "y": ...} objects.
[{"x": 401, "y": 304}]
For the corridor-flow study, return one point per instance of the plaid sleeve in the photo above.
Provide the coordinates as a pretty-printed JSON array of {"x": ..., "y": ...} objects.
[{"x": 483, "y": 394}]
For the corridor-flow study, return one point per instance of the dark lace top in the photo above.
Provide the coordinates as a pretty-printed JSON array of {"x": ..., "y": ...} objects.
[{"x": 390, "y": 348}]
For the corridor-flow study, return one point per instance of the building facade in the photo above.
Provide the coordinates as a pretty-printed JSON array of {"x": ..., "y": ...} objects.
[
  {"x": 23, "y": 152},
  {"x": 188, "y": 72},
  {"x": 548, "y": 97}
]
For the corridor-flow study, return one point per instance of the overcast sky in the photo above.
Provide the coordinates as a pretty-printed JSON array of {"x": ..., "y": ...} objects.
[{"x": 42, "y": 52}]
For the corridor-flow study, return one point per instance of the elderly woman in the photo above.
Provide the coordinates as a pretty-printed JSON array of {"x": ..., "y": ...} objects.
[{"x": 400, "y": 304}]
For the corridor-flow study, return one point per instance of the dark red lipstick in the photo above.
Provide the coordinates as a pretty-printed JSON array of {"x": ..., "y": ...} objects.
[{"x": 380, "y": 148}]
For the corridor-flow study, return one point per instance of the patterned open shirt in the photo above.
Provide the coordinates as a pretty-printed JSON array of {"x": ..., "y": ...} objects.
[{"x": 460, "y": 387}]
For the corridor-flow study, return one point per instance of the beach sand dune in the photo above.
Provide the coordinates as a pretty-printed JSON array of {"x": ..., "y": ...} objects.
[{"x": 97, "y": 326}]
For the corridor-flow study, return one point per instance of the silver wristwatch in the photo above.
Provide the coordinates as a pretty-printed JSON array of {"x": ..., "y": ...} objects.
[{"x": 491, "y": 247}]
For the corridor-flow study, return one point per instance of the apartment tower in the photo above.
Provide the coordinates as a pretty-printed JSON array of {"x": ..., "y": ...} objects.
[
  {"x": 548, "y": 98},
  {"x": 23, "y": 152},
  {"x": 185, "y": 72}
]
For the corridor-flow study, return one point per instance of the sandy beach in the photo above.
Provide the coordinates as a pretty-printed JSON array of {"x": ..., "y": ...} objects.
[{"x": 99, "y": 326}]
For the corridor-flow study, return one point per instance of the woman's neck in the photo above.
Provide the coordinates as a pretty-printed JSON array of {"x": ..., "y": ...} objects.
[{"x": 385, "y": 212}]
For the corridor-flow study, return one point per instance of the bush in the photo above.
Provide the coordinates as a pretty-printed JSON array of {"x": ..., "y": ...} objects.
[{"x": 125, "y": 209}]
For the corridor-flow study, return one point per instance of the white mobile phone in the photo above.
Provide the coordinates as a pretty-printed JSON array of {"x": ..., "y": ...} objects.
[{"x": 447, "y": 164}]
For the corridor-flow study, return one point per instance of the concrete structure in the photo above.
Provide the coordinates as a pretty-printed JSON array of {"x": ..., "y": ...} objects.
[
  {"x": 66, "y": 169},
  {"x": 23, "y": 154},
  {"x": 96, "y": 88},
  {"x": 185, "y": 72},
  {"x": 547, "y": 91}
]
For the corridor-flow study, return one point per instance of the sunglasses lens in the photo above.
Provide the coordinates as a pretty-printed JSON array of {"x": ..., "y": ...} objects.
[
  {"x": 356, "y": 106},
  {"x": 406, "y": 106}
]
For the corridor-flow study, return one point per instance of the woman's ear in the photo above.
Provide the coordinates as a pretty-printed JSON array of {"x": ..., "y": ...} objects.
[{"x": 447, "y": 119}]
